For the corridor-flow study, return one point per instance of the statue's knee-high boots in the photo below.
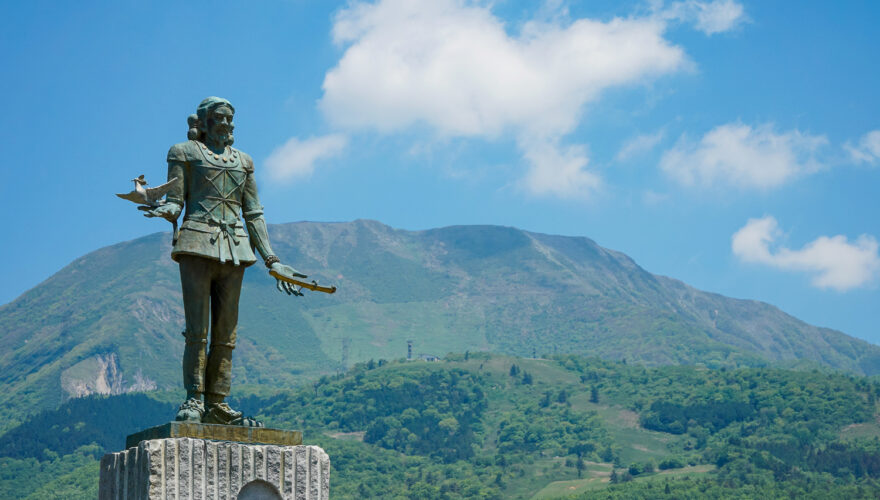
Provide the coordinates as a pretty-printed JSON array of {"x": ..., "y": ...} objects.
[
  {"x": 225, "y": 292},
  {"x": 195, "y": 277}
]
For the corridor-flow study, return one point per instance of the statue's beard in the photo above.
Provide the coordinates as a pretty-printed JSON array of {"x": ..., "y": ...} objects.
[{"x": 220, "y": 137}]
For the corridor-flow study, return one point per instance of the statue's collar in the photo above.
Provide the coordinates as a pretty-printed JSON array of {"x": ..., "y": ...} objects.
[{"x": 229, "y": 156}]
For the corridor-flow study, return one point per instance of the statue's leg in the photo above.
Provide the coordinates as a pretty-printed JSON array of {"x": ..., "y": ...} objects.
[
  {"x": 225, "y": 291},
  {"x": 195, "y": 278}
]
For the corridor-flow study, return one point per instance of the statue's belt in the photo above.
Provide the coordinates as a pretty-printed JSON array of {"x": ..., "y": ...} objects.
[
  {"x": 213, "y": 227},
  {"x": 222, "y": 234}
]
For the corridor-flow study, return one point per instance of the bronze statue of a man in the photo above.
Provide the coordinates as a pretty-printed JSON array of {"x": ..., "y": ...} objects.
[{"x": 212, "y": 183}]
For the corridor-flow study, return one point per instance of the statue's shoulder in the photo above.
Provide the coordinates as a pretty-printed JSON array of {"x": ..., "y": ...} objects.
[
  {"x": 182, "y": 151},
  {"x": 246, "y": 161}
]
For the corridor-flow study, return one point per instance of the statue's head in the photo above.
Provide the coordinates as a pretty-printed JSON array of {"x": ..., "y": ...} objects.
[{"x": 212, "y": 121}]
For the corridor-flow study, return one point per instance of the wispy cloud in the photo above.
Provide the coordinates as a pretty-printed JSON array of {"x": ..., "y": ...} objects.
[
  {"x": 739, "y": 155},
  {"x": 653, "y": 198},
  {"x": 639, "y": 145},
  {"x": 833, "y": 261},
  {"x": 452, "y": 65},
  {"x": 712, "y": 17},
  {"x": 867, "y": 150},
  {"x": 296, "y": 158}
]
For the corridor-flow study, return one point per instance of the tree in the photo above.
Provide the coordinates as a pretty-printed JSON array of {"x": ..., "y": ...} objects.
[
  {"x": 364, "y": 491},
  {"x": 580, "y": 466},
  {"x": 613, "y": 479},
  {"x": 514, "y": 370},
  {"x": 594, "y": 394},
  {"x": 545, "y": 401},
  {"x": 527, "y": 378},
  {"x": 562, "y": 397}
]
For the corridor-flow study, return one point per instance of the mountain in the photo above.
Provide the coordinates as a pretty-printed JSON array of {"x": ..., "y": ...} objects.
[{"x": 110, "y": 321}]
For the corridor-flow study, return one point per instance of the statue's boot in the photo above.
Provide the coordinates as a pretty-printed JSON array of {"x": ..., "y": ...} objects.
[
  {"x": 221, "y": 413},
  {"x": 192, "y": 410}
]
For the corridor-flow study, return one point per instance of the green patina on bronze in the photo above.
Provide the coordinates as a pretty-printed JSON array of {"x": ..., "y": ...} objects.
[
  {"x": 262, "y": 435},
  {"x": 213, "y": 186}
]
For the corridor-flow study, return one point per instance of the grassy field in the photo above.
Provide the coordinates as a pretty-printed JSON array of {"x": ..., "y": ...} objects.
[
  {"x": 595, "y": 478},
  {"x": 860, "y": 431}
]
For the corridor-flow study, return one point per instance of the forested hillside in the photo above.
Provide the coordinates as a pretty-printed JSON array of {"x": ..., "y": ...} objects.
[{"x": 494, "y": 426}]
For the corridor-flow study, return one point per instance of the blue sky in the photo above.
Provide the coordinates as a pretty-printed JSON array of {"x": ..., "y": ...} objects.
[{"x": 734, "y": 145}]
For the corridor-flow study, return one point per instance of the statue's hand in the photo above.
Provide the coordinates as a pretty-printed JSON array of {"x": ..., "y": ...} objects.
[
  {"x": 169, "y": 211},
  {"x": 288, "y": 272}
]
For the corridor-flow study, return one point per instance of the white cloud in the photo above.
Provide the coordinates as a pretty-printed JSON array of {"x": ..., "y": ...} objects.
[
  {"x": 867, "y": 150},
  {"x": 558, "y": 171},
  {"x": 452, "y": 66},
  {"x": 639, "y": 145},
  {"x": 296, "y": 158},
  {"x": 712, "y": 17},
  {"x": 742, "y": 156},
  {"x": 653, "y": 198},
  {"x": 833, "y": 261}
]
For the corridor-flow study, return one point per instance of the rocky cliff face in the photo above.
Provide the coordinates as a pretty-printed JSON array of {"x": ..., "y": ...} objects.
[{"x": 100, "y": 374}]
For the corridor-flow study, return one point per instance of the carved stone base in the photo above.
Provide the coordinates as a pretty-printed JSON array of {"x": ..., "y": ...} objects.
[{"x": 199, "y": 469}]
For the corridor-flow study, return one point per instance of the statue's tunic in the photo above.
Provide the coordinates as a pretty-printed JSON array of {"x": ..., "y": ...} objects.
[
  {"x": 214, "y": 189},
  {"x": 213, "y": 249}
]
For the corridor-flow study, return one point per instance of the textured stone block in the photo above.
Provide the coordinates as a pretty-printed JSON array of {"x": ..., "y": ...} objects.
[{"x": 186, "y": 468}]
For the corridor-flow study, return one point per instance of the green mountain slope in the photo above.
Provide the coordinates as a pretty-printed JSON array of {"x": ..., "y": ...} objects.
[{"x": 110, "y": 322}]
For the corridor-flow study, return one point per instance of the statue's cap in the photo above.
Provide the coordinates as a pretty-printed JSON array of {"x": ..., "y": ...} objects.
[{"x": 210, "y": 103}]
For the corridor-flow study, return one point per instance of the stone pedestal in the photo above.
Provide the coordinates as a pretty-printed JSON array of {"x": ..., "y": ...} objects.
[
  {"x": 178, "y": 468},
  {"x": 214, "y": 432}
]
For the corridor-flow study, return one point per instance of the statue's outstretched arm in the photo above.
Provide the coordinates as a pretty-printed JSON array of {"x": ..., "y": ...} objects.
[{"x": 170, "y": 210}]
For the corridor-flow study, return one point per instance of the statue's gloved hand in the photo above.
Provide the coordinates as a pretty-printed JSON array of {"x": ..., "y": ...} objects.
[
  {"x": 287, "y": 272},
  {"x": 169, "y": 211}
]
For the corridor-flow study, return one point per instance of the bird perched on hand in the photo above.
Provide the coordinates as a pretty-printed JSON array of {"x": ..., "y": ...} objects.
[{"x": 147, "y": 196}]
